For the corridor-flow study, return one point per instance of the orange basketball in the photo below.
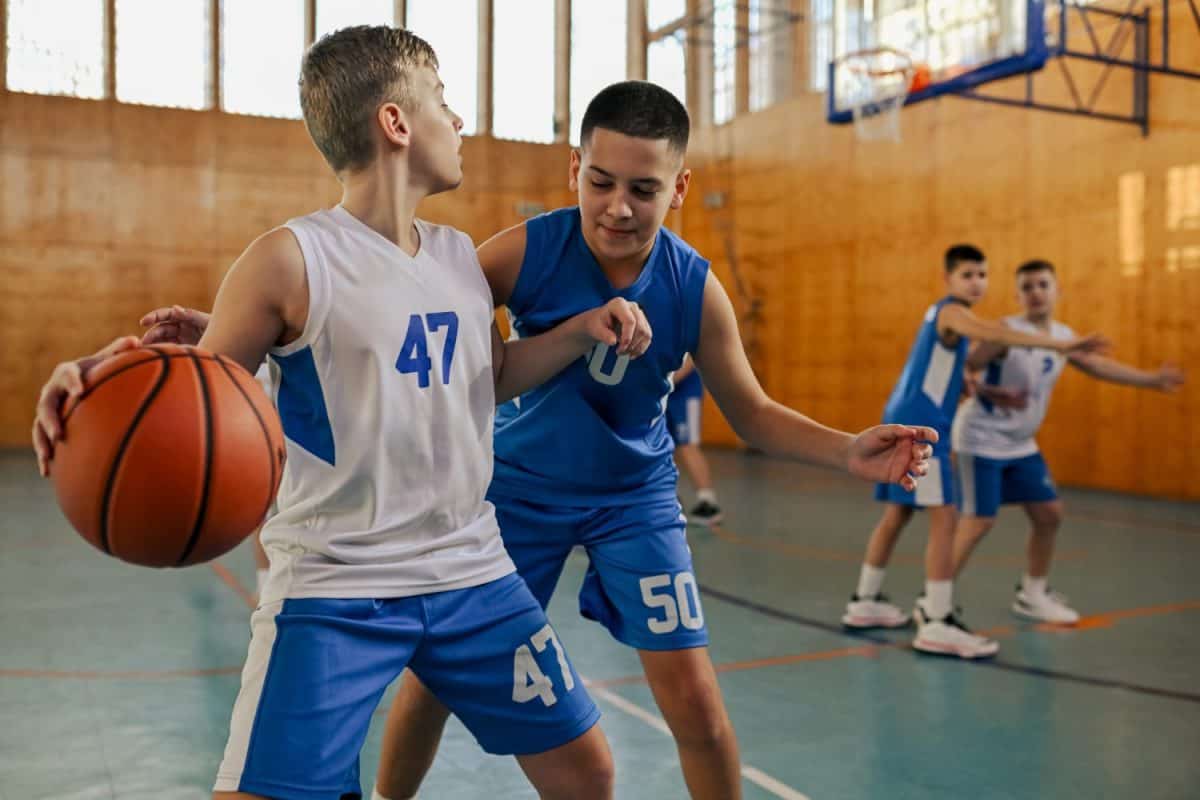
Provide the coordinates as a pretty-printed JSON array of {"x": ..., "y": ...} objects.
[
  {"x": 922, "y": 78},
  {"x": 171, "y": 456}
]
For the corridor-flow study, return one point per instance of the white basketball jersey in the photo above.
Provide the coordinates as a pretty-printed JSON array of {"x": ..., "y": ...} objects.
[
  {"x": 983, "y": 429},
  {"x": 387, "y": 401}
]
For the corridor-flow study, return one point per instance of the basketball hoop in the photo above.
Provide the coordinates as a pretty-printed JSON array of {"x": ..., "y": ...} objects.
[{"x": 873, "y": 85}]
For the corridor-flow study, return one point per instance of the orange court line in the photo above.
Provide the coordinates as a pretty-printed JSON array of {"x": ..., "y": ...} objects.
[
  {"x": 233, "y": 583},
  {"x": 856, "y": 556},
  {"x": 1110, "y": 618}
]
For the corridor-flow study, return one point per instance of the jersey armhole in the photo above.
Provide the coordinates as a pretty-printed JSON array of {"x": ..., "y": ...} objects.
[
  {"x": 532, "y": 266},
  {"x": 319, "y": 291}
]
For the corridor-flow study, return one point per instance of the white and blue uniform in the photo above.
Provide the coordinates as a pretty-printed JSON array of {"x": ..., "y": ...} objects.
[
  {"x": 683, "y": 410},
  {"x": 928, "y": 394},
  {"x": 384, "y": 552},
  {"x": 585, "y": 459},
  {"x": 997, "y": 455}
]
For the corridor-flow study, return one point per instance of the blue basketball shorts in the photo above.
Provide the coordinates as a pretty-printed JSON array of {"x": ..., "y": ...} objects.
[
  {"x": 985, "y": 484},
  {"x": 639, "y": 582},
  {"x": 936, "y": 488},
  {"x": 317, "y": 668}
]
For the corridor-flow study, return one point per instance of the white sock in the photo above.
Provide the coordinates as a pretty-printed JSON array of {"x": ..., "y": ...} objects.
[
  {"x": 939, "y": 598},
  {"x": 1035, "y": 587},
  {"x": 375, "y": 795},
  {"x": 707, "y": 496},
  {"x": 870, "y": 581},
  {"x": 260, "y": 580}
]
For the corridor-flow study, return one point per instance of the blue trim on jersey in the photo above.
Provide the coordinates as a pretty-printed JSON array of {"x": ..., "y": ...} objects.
[
  {"x": 991, "y": 378},
  {"x": 596, "y": 432},
  {"x": 302, "y": 405}
]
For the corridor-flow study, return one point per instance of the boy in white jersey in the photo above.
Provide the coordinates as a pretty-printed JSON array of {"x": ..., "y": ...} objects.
[
  {"x": 927, "y": 393},
  {"x": 997, "y": 457},
  {"x": 384, "y": 552}
]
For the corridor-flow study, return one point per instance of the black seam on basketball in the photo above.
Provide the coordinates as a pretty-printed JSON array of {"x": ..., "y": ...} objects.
[
  {"x": 261, "y": 424},
  {"x": 208, "y": 460},
  {"x": 106, "y": 503},
  {"x": 158, "y": 355}
]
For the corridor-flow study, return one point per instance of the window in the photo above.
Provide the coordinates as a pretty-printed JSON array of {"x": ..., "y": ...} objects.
[
  {"x": 820, "y": 20},
  {"x": 663, "y": 12},
  {"x": 260, "y": 73},
  {"x": 598, "y": 38},
  {"x": 724, "y": 60},
  {"x": 523, "y": 70},
  {"x": 771, "y": 30},
  {"x": 162, "y": 52},
  {"x": 452, "y": 28},
  {"x": 334, "y": 15},
  {"x": 666, "y": 66},
  {"x": 56, "y": 47}
]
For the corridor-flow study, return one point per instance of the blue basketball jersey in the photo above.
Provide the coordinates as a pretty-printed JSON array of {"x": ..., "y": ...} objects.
[
  {"x": 596, "y": 432},
  {"x": 930, "y": 386}
]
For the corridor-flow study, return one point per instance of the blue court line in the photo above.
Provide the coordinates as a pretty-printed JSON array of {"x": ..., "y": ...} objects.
[{"x": 1007, "y": 666}]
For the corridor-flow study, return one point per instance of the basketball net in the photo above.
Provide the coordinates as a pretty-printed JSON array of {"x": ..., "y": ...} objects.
[{"x": 875, "y": 84}]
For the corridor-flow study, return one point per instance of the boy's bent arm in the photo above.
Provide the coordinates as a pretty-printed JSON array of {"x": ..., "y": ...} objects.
[
  {"x": 755, "y": 417},
  {"x": 262, "y": 302},
  {"x": 519, "y": 365}
]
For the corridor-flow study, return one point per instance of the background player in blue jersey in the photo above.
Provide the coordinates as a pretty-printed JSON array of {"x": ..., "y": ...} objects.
[
  {"x": 928, "y": 394},
  {"x": 384, "y": 552},
  {"x": 996, "y": 455},
  {"x": 683, "y": 423},
  {"x": 586, "y": 458}
]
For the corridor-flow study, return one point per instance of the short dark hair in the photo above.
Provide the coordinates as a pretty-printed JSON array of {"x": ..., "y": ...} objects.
[
  {"x": 1036, "y": 265},
  {"x": 346, "y": 76},
  {"x": 638, "y": 108},
  {"x": 960, "y": 253}
]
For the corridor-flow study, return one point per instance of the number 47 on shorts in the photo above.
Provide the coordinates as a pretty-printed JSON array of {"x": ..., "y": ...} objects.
[{"x": 528, "y": 679}]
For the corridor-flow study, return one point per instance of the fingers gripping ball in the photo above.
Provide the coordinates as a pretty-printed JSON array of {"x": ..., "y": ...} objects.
[{"x": 170, "y": 456}]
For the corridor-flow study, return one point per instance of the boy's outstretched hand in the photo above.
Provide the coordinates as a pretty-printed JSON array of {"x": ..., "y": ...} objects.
[
  {"x": 65, "y": 382},
  {"x": 892, "y": 454}
]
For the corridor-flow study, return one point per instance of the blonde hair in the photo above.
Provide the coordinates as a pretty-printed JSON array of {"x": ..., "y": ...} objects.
[{"x": 346, "y": 76}]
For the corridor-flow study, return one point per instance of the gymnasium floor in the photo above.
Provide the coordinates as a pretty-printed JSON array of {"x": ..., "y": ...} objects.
[{"x": 117, "y": 682}]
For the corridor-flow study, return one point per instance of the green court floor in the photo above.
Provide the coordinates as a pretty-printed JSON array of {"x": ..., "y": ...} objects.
[{"x": 117, "y": 682}]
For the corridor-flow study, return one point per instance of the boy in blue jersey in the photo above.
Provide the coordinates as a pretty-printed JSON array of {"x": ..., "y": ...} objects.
[
  {"x": 384, "y": 551},
  {"x": 586, "y": 458},
  {"x": 997, "y": 458},
  {"x": 683, "y": 423},
  {"x": 928, "y": 394}
]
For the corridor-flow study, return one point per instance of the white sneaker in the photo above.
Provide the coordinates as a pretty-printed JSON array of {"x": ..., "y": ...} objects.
[
  {"x": 873, "y": 612},
  {"x": 1050, "y": 607},
  {"x": 949, "y": 637}
]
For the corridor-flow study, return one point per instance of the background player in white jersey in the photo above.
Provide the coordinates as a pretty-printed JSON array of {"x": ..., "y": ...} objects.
[
  {"x": 996, "y": 455},
  {"x": 585, "y": 458},
  {"x": 928, "y": 394},
  {"x": 384, "y": 552}
]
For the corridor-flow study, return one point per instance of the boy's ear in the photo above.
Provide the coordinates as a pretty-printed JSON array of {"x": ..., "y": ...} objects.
[
  {"x": 394, "y": 124},
  {"x": 573, "y": 169},
  {"x": 682, "y": 181}
]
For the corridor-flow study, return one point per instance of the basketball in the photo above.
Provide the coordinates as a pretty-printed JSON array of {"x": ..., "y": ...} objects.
[{"x": 170, "y": 457}]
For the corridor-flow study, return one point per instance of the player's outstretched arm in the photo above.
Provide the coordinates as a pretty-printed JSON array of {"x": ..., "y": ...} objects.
[
  {"x": 522, "y": 364},
  {"x": 958, "y": 319},
  {"x": 1166, "y": 378},
  {"x": 891, "y": 453}
]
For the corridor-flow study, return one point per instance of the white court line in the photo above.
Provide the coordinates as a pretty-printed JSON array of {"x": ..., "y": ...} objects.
[{"x": 752, "y": 774}]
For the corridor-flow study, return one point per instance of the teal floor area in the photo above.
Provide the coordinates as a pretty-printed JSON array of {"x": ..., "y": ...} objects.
[{"x": 117, "y": 682}]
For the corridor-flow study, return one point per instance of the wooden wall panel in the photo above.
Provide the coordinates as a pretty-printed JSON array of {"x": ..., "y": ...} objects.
[
  {"x": 108, "y": 210},
  {"x": 843, "y": 241}
]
